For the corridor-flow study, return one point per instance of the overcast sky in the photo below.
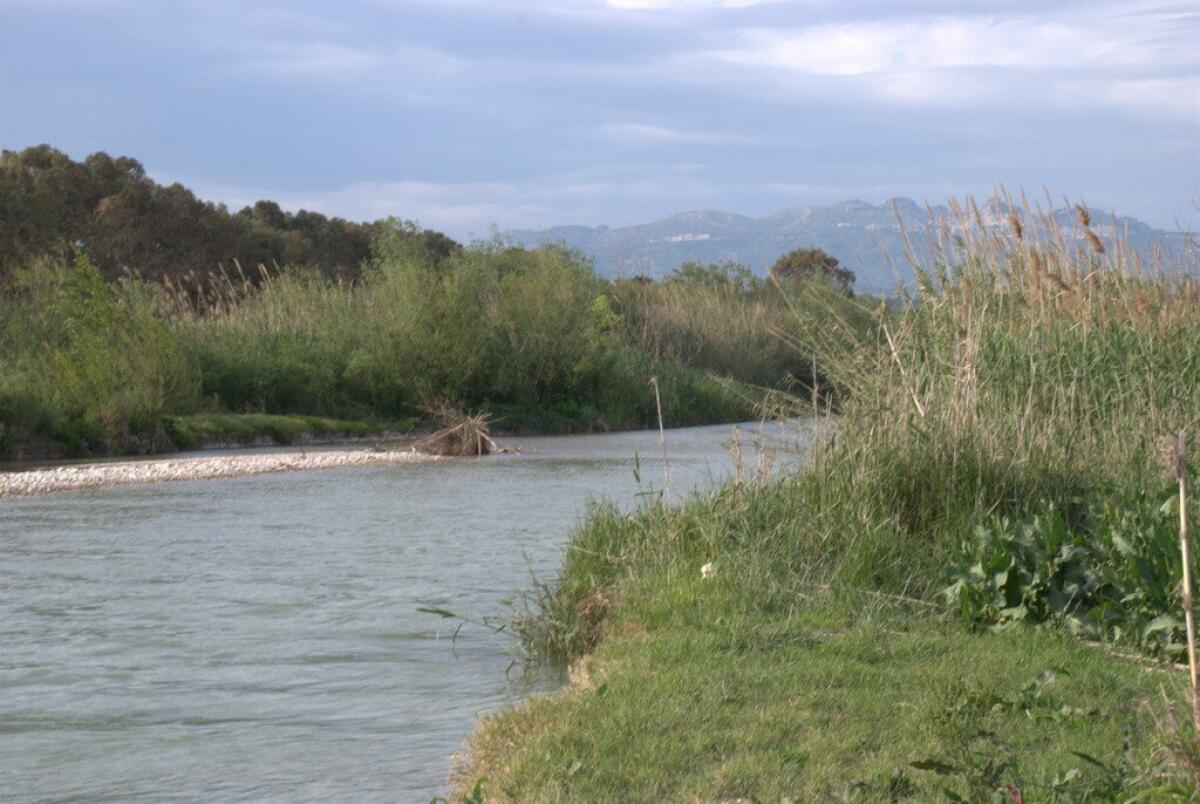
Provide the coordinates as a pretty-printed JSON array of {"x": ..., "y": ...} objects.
[{"x": 466, "y": 114}]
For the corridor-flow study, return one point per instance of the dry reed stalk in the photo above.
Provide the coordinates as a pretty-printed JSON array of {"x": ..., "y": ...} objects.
[
  {"x": 662, "y": 438},
  {"x": 764, "y": 461},
  {"x": 1178, "y": 460},
  {"x": 735, "y": 449},
  {"x": 904, "y": 374},
  {"x": 1014, "y": 223},
  {"x": 1084, "y": 215}
]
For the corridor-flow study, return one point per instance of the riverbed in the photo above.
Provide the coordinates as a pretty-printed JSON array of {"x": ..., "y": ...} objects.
[
  {"x": 51, "y": 479},
  {"x": 260, "y": 637}
]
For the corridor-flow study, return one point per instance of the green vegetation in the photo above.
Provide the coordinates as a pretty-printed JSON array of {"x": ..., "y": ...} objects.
[
  {"x": 198, "y": 429},
  {"x": 125, "y": 305},
  {"x": 86, "y": 362},
  {"x": 805, "y": 263},
  {"x": 997, "y": 460},
  {"x": 535, "y": 338},
  {"x": 724, "y": 318},
  {"x": 829, "y": 702},
  {"x": 1119, "y": 578},
  {"x": 532, "y": 336},
  {"x": 124, "y": 221}
]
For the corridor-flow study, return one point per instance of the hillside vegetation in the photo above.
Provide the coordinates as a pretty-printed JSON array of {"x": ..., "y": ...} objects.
[
  {"x": 970, "y": 593},
  {"x": 125, "y": 222}
]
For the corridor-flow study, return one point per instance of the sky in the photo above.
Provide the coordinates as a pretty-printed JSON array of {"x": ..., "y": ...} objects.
[{"x": 466, "y": 115}]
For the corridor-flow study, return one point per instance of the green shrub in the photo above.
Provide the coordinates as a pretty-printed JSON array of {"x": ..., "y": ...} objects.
[
  {"x": 1121, "y": 578},
  {"x": 88, "y": 363},
  {"x": 532, "y": 335}
]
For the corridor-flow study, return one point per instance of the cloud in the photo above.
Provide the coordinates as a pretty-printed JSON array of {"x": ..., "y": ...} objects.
[
  {"x": 1175, "y": 97},
  {"x": 464, "y": 209},
  {"x": 682, "y": 5},
  {"x": 649, "y": 133},
  {"x": 879, "y": 47},
  {"x": 311, "y": 58},
  {"x": 464, "y": 113},
  {"x": 1105, "y": 57},
  {"x": 332, "y": 60}
]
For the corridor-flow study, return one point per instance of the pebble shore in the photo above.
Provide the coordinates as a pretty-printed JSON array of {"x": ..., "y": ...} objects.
[{"x": 89, "y": 476}]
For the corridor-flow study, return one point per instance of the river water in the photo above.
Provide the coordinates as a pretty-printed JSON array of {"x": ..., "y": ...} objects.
[{"x": 259, "y": 637}]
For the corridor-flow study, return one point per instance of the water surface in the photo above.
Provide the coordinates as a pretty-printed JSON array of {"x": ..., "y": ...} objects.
[{"x": 258, "y": 637}]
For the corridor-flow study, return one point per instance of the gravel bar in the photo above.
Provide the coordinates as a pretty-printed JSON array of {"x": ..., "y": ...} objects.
[{"x": 90, "y": 476}]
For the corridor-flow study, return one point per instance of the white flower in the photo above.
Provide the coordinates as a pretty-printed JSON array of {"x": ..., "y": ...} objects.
[{"x": 708, "y": 570}]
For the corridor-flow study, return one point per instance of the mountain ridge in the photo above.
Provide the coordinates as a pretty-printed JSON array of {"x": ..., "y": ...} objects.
[{"x": 867, "y": 238}]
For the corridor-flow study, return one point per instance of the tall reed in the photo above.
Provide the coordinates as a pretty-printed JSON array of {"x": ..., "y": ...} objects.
[{"x": 1033, "y": 368}]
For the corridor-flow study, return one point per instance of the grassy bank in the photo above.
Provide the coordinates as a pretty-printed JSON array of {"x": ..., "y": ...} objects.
[
  {"x": 208, "y": 429},
  {"x": 534, "y": 337},
  {"x": 833, "y": 702},
  {"x": 942, "y": 604},
  {"x": 200, "y": 430}
]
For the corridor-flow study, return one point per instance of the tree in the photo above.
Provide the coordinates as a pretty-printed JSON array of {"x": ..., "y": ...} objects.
[
  {"x": 122, "y": 219},
  {"x": 808, "y": 263},
  {"x": 724, "y": 273}
]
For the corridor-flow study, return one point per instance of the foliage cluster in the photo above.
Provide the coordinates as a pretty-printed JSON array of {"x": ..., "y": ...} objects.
[
  {"x": 124, "y": 221},
  {"x": 86, "y": 361},
  {"x": 1120, "y": 577},
  {"x": 812, "y": 263},
  {"x": 533, "y": 336},
  {"x": 726, "y": 319}
]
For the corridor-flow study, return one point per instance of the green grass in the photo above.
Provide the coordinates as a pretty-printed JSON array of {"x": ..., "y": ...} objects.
[
  {"x": 1028, "y": 379},
  {"x": 827, "y": 702},
  {"x": 791, "y": 673},
  {"x": 198, "y": 429}
]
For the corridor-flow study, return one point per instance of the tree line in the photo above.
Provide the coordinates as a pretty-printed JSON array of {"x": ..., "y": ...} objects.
[{"x": 124, "y": 221}]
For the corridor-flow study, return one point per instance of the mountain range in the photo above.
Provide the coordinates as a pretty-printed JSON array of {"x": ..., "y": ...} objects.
[{"x": 867, "y": 238}]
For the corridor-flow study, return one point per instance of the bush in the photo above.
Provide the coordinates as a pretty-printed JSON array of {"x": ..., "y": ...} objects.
[
  {"x": 88, "y": 363},
  {"x": 534, "y": 336},
  {"x": 1120, "y": 578}
]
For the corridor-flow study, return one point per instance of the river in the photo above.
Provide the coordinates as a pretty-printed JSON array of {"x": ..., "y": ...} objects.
[{"x": 259, "y": 637}]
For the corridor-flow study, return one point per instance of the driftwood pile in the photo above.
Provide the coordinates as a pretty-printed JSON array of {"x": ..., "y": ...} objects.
[{"x": 462, "y": 435}]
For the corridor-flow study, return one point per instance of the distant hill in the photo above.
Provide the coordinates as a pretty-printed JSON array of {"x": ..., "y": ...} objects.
[{"x": 866, "y": 238}]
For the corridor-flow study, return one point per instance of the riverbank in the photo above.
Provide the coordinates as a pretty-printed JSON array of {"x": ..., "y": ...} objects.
[
  {"x": 689, "y": 699},
  {"x": 116, "y": 473},
  {"x": 535, "y": 338},
  {"x": 971, "y": 593},
  {"x": 178, "y": 433},
  {"x": 726, "y": 651},
  {"x": 222, "y": 430}
]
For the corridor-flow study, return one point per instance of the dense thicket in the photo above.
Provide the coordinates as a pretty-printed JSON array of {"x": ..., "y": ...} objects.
[
  {"x": 124, "y": 221},
  {"x": 725, "y": 318},
  {"x": 533, "y": 336}
]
